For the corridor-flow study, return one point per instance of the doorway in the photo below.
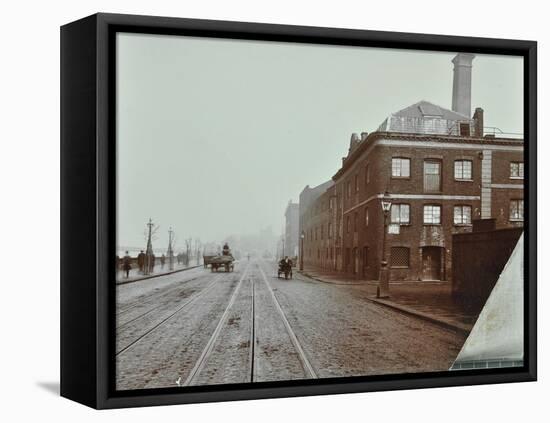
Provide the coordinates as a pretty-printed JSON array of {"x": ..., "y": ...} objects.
[{"x": 431, "y": 263}]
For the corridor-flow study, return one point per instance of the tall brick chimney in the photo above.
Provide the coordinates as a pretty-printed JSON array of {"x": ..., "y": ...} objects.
[{"x": 462, "y": 83}]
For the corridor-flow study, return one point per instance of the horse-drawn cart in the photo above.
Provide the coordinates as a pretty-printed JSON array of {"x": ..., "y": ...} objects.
[
  {"x": 207, "y": 259},
  {"x": 222, "y": 262},
  {"x": 285, "y": 269}
]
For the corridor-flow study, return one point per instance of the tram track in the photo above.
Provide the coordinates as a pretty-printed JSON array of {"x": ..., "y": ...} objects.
[
  {"x": 168, "y": 297},
  {"x": 144, "y": 299},
  {"x": 306, "y": 364},
  {"x": 209, "y": 347},
  {"x": 205, "y": 367},
  {"x": 166, "y": 319}
]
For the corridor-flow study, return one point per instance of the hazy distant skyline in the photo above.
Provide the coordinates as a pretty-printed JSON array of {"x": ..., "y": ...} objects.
[{"x": 214, "y": 137}]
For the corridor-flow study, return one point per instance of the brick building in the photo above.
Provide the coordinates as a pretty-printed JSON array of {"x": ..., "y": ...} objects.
[
  {"x": 292, "y": 230},
  {"x": 310, "y": 217},
  {"x": 440, "y": 172}
]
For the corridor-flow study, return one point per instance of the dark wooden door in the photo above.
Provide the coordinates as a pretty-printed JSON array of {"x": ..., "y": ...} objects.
[{"x": 431, "y": 263}]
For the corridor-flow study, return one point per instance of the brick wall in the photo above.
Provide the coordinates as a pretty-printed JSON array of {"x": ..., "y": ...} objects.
[
  {"x": 361, "y": 247},
  {"x": 478, "y": 259}
]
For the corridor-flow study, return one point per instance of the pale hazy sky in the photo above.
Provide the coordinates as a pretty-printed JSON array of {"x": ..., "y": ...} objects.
[{"x": 215, "y": 136}]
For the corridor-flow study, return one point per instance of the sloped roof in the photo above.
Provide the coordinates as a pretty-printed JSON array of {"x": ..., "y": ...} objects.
[{"x": 426, "y": 109}]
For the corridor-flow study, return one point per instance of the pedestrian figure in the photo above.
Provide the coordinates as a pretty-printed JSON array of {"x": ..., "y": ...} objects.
[
  {"x": 226, "y": 250},
  {"x": 141, "y": 261},
  {"x": 162, "y": 260},
  {"x": 152, "y": 263},
  {"x": 127, "y": 264}
]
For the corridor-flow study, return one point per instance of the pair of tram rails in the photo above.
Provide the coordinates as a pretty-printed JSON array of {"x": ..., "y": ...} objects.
[{"x": 203, "y": 359}]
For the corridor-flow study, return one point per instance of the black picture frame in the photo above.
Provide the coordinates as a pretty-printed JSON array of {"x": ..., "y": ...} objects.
[{"x": 88, "y": 208}]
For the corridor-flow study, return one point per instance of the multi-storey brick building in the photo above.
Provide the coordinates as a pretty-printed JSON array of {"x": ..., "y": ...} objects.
[
  {"x": 311, "y": 217},
  {"x": 439, "y": 171}
]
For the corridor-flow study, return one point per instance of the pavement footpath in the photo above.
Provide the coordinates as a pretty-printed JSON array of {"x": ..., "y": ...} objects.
[
  {"x": 135, "y": 274},
  {"x": 430, "y": 301}
]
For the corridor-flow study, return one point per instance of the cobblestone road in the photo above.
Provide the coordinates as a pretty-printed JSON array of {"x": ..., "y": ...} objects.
[{"x": 198, "y": 327}]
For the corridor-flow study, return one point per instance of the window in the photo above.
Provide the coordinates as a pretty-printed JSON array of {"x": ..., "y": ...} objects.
[
  {"x": 329, "y": 230},
  {"x": 400, "y": 167},
  {"x": 463, "y": 170},
  {"x": 432, "y": 176},
  {"x": 516, "y": 170},
  {"x": 367, "y": 174},
  {"x": 432, "y": 215},
  {"x": 400, "y": 213},
  {"x": 316, "y": 233},
  {"x": 349, "y": 189},
  {"x": 366, "y": 216},
  {"x": 399, "y": 257},
  {"x": 365, "y": 256},
  {"x": 463, "y": 215},
  {"x": 322, "y": 231},
  {"x": 356, "y": 183},
  {"x": 348, "y": 224},
  {"x": 516, "y": 210},
  {"x": 355, "y": 222}
]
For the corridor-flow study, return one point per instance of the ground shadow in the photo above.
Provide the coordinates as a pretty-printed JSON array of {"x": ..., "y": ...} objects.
[{"x": 51, "y": 387}]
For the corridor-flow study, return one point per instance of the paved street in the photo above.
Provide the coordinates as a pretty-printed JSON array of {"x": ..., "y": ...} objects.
[{"x": 197, "y": 327}]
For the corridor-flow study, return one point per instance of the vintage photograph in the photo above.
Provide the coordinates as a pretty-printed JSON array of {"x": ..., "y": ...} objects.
[{"x": 290, "y": 211}]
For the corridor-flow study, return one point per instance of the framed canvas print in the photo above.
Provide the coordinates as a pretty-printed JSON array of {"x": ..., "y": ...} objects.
[{"x": 255, "y": 211}]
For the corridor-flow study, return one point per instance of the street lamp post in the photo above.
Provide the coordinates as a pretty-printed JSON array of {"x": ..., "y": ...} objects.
[
  {"x": 302, "y": 236},
  {"x": 383, "y": 290},
  {"x": 170, "y": 253}
]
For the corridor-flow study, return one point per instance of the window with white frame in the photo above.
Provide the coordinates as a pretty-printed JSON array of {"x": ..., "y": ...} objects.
[
  {"x": 432, "y": 214},
  {"x": 516, "y": 170},
  {"x": 516, "y": 210},
  {"x": 432, "y": 176},
  {"x": 400, "y": 214},
  {"x": 463, "y": 215},
  {"x": 463, "y": 170},
  {"x": 400, "y": 167}
]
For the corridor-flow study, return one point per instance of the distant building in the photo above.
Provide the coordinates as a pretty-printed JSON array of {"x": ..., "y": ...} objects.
[
  {"x": 292, "y": 225},
  {"x": 309, "y": 210},
  {"x": 440, "y": 172}
]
